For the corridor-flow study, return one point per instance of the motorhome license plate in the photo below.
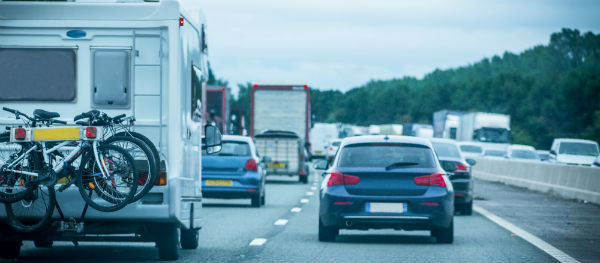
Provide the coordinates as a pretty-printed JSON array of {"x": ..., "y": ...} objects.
[
  {"x": 276, "y": 165},
  {"x": 219, "y": 182},
  {"x": 386, "y": 207}
]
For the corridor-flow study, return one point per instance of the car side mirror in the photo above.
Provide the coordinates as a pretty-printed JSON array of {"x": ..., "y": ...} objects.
[
  {"x": 212, "y": 141},
  {"x": 266, "y": 159},
  {"x": 552, "y": 152},
  {"x": 321, "y": 164},
  {"x": 471, "y": 162},
  {"x": 448, "y": 166}
]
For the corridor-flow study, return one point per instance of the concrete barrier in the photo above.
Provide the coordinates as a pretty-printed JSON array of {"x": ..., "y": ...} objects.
[{"x": 568, "y": 181}]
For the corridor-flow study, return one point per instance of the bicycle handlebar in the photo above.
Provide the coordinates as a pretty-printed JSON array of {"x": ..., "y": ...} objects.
[{"x": 16, "y": 113}]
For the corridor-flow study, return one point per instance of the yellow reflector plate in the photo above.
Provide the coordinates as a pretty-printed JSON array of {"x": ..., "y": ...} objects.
[{"x": 56, "y": 134}]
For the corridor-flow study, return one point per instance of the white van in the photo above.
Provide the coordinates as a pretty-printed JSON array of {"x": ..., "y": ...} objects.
[
  {"x": 574, "y": 151},
  {"x": 146, "y": 59}
]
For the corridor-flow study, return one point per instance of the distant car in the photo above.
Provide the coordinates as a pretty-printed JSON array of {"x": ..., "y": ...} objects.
[
  {"x": 235, "y": 172},
  {"x": 469, "y": 149},
  {"x": 332, "y": 148},
  {"x": 494, "y": 153},
  {"x": 574, "y": 151},
  {"x": 378, "y": 182},
  {"x": 543, "y": 155},
  {"x": 597, "y": 161},
  {"x": 459, "y": 170},
  {"x": 521, "y": 152}
]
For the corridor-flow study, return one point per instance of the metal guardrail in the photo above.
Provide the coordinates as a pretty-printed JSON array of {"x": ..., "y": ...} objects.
[{"x": 567, "y": 181}]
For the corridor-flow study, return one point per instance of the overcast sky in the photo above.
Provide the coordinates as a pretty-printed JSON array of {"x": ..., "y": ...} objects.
[{"x": 342, "y": 44}]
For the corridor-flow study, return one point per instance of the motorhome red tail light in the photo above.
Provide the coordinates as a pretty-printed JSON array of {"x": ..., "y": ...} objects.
[
  {"x": 20, "y": 134},
  {"x": 90, "y": 132},
  {"x": 162, "y": 179}
]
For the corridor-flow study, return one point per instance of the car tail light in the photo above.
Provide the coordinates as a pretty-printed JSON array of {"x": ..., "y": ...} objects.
[
  {"x": 90, "y": 132},
  {"x": 430, "y": 203},
  {"x": 342, "y": 202},
  {"x": 461, "y": 168},
  {"x": 251, "y": 165},
  {"x": 330, "y": 148},
  {"x": 162, "y": 179},
  {"x": 302, "y": 172},
  {"x": 434, "y": 179},
  {"x": 338, "y": 178},
  {"x": 20, "y": 134}
]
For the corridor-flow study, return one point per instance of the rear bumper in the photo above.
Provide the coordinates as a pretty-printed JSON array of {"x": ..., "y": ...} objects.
[
  {"x": 463, "y": 191},
  {"x": 229, "y": 192},
  {"x": 417, "y": 216}
]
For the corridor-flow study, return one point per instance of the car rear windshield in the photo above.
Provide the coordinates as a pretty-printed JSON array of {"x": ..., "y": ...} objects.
[
  {"x": 471, "y": 148},
  {"x": 496, "y": 153},
  {"x": 235, "y": 148},
  {"x": 578, "y": 148},
  {"x": 524, "y": 154},
  {"x": 386, "y": 154},
  {"x": 446, "y": 149}
]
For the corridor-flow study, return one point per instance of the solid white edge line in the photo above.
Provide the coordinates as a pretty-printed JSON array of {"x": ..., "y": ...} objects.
[
  {"x": 541, "y": 244},
  {"x": 258, "y": 242},
  {"x": 281, "y": 222}
]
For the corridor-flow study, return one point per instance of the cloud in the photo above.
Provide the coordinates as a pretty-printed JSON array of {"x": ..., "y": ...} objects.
[{"x": 343, "y": 43}]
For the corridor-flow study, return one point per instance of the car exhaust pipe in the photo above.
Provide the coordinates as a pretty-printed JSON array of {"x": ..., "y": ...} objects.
[{"x": 348, "y": 223}]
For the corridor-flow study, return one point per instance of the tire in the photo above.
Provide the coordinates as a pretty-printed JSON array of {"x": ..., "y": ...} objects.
[
  {"x": 189, "y": 238},
  {"x": 33, "y": 212},
  {"x": 100, "y": 192},
  {"x": 444, "y": 235},
  {"x": 10, "y": 249},
  {"x": 303, "y": 179},
  {"x": 263, "y": 199},
  {"x": 327, "y": 234},
  {"x": 145, "y": 162},
  {"x": 43, "y": 243},
  {"x": 167, "y": 242},
  {"x": 467, "y": 209},
  {"x": 13, "y": 187},
  {"x": 255, "y": 201}
]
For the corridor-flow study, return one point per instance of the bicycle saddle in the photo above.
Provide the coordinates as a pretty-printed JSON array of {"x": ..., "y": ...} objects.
[{"x": 45, "y": 115}]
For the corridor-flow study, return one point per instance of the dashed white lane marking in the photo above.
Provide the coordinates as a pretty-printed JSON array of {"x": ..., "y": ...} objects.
[
  {"x": 281, "y": 222},
  {"x": 313, "y": 188},
  {"x": 296, "y": 209},
  {"x": 541, "y": 244},
  {"x": 258, "y": 242},
  {"x": 309, "y": 193},
  {"x": 304, "y": 200}
]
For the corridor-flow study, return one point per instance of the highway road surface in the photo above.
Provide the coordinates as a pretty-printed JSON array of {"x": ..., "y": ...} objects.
[{"x": 285, "y": 230}]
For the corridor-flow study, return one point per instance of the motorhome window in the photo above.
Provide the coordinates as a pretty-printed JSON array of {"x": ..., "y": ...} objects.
[
  {"x": 111, "y": 78},
  {"x": 38, "y": 74},
  {"x": 196, "y": 94}
]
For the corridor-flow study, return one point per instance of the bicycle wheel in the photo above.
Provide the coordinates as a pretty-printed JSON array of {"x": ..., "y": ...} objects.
[
  {"x": 111, "y": 191},
  {"x": 144, "y": 162},
  {"x": 34, "y": 211},
  {"x": 15, "y": 186},
  {"x": 149, "y": 143}
]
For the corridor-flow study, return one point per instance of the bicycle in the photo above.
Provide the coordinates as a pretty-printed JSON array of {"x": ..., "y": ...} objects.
[
  {"x": 105, "y": 178},
  {"x": 141, "y": 148}
]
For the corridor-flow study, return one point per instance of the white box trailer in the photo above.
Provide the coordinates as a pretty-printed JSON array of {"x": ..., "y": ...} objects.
[
  {"x": 491, "y": 130},
  {"x": 146, "y": 59}
]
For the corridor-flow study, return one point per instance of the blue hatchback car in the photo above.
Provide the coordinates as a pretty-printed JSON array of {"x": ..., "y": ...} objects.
[
  {"x": 235, "y": 172},
  {"x": 378, "y": 182}
]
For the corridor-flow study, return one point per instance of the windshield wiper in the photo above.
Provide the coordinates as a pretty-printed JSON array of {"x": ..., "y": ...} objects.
[{"x": 400, "y": 164}]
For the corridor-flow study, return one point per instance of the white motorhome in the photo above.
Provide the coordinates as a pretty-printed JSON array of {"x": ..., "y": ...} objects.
[{"x": 146, "y": 59}]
